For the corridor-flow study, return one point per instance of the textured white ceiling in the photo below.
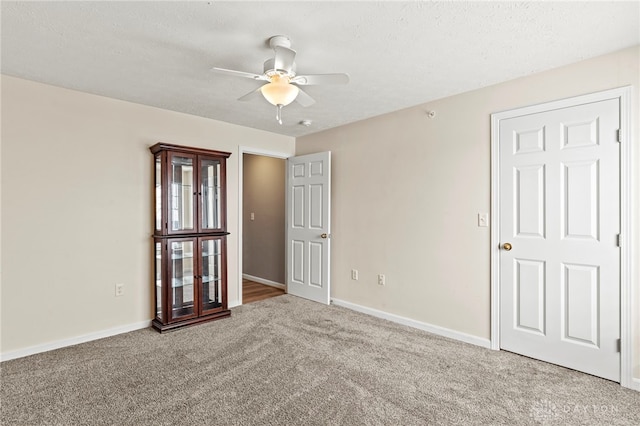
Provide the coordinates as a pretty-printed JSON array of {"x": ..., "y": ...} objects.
[{"x": 398, "y": 54}]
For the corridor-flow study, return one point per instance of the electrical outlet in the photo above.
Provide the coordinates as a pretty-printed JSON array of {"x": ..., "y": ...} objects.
[
  {"x": 119, "y": 289},
  {"x": 354, "y": 274},
  {"x": 381, "y": 279},
  {"x": 253, "y": 216}
]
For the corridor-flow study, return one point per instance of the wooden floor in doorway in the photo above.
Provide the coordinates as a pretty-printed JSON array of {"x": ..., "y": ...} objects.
[{"x": 253, "y": 291}]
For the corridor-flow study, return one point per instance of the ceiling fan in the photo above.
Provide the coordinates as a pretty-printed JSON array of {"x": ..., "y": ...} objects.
[{"x": 280, "y": 72}]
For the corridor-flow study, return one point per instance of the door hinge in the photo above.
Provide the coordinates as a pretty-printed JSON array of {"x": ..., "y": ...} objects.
[
  {"x": 619, "y": 238},
  {"x": 619, "y": 135},
  {"x": 618, "y": 345}
]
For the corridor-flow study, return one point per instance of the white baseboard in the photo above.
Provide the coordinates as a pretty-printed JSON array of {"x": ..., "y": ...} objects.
[
  {"x": 32, "y": 350},
  {"x": 440, "y": 331},
  {"x": 635, "y": 384},
  {"x": 263, "y": 281}
]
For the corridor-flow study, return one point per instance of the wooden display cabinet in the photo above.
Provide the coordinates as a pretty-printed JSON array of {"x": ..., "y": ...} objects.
[{"x": 189, "y": 236}]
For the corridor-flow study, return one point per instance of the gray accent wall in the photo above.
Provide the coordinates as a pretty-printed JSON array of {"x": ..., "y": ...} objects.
[{"x": 263, "y": 238}]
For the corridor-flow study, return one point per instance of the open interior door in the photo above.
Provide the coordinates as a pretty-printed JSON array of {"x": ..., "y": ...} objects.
[{"x": 309, "y": 226}]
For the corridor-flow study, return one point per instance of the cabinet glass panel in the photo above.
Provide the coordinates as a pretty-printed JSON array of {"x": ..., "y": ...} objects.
[
  {"x": 182, "y": 277},
  {"x": 211, "y": 270},
  {"x": 182, "y": 197},
  {"x": 210, "y": 188},
  {"x": 158, "y": 280},
  {"x": 158, "y": 193}
]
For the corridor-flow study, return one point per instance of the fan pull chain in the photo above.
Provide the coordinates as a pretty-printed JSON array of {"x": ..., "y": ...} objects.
[{"x": 279, "y": 113}]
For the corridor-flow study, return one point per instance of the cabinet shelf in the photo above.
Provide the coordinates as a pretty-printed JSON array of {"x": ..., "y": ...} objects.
[
  {"x": 189, "y": 236},
  {"x": 181, "y": 257},
  {"x": 182, "y": 282},
  {"x": 189, "y": 281}
]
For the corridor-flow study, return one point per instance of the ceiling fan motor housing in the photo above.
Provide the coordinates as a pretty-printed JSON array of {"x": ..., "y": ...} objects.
[{"x": 270, "y": 69}]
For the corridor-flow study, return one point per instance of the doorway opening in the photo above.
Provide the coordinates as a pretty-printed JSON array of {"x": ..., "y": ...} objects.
[{"x": 263, "y": 227}]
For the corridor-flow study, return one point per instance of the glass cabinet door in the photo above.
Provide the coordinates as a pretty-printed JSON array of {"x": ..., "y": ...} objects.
[
  {"x": 212, "y": 273},
  {"x": 158, "y": 278},
  {"x": 158, "y": 192},
  {"x": 182, "y": 193},
  {"x": 181, "y": 276},
  {"x": 210, "y": 187}
]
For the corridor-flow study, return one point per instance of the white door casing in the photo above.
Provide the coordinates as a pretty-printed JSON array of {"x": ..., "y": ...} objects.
[
  {"x": 309, "y": 226},
  {"x": 580, "y": 258}
]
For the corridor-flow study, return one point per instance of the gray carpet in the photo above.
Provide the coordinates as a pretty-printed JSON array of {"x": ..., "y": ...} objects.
[{"x": 287, "y": 361}]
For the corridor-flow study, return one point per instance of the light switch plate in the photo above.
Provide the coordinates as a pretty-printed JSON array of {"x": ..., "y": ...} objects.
[{"x": 483, "y": 219}]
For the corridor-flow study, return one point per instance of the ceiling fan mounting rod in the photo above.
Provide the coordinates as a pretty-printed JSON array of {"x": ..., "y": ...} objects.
[{"x": 279, "y": 41}]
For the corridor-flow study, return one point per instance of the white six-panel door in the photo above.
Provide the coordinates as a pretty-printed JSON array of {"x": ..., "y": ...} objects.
[
  {"x": 309, "y": 226},
  {"x": 559, "y": 210}
]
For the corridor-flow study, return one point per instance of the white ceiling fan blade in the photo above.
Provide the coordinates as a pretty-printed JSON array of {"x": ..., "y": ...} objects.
[
  {"x": 312, "y": 79},
  {"x": 251, "y": 95},
  {"x": 284, "y": 58},
  {"x": 238, "y": 73},
  {"x": 304, "y": 99}
]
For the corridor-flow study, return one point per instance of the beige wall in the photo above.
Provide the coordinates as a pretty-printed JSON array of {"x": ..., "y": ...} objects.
[
  {"x": 77, "y": 207},
  {"x": 407, "y": 190},
  {"x": 263, "y": 238}
]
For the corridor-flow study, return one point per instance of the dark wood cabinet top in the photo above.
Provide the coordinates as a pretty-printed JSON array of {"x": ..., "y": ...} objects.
[{"x": 162, "y": 146}]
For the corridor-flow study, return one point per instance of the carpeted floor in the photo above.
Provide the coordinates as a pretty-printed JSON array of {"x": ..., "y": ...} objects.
[{"x": 287, "y": 361}]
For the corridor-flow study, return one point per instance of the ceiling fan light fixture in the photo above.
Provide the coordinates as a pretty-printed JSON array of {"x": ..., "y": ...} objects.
[
  {"x": 280, "y": 72},
  {"x": 279, "y": 91}
]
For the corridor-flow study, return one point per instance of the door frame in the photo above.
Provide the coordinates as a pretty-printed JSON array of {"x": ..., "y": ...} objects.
[
  {"x": 626, "y": 203},
  {"x": 255, "y": 151}
]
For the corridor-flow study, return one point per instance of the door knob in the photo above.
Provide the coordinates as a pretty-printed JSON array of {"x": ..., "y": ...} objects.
[
  {"x": 323, "y": 235},
  {"x": 507, "y": 246}
]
